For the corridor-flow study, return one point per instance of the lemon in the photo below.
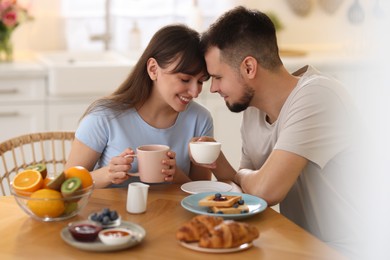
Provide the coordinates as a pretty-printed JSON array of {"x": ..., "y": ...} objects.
[{"x": 50, "y": 203}]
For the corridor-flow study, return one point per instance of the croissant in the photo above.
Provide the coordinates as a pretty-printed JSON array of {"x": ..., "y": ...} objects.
[
  {"x": 229, "y": 234},
  {"x": 197, "y": 227}
]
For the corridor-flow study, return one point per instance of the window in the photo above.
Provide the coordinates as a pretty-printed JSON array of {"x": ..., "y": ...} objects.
[{"x": 86, "y": 18}]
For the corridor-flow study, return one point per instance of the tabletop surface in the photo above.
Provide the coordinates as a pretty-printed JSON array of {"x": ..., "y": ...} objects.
[{"x": 21, "y": 236}]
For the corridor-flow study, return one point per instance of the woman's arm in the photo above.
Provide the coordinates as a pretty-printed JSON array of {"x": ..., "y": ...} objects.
[{"x": 115, "y": 172}]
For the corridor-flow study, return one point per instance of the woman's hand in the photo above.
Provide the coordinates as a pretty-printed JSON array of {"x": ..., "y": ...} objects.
[
  {"x": 120, "y": 165},
  {"x": 171, "y": 163}
]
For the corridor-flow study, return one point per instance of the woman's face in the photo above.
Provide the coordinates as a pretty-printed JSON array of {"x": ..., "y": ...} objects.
[{"x": 177, "y": 89}]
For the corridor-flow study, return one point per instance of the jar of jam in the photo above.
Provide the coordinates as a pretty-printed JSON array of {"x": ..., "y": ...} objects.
[{"x": 85, "y": 230}]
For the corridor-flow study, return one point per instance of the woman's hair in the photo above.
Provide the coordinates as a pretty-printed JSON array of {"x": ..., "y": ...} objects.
[
  {"x": 169, "y": 44},
  {"x": 241, "y": 32}
]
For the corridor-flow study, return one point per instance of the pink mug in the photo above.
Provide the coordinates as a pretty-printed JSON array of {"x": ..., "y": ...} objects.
[{"x": 150, "y": 162}]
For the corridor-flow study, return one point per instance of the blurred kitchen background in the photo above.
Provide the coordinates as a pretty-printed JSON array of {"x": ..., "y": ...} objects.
[
  {"x": 77, "y": 50},
  {"x": 331, "y": 25}
]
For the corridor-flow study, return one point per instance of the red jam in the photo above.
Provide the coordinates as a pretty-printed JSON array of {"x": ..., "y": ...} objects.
[
  {"x": 85, "y": 232},
  {"x": 116, "y": 233}
]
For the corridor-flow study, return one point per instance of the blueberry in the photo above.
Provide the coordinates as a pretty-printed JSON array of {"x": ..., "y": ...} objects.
[
  {"x": 94, "y": 216},
  {"x": 219, "y": 212},
  {"x": 99, "y": 217},
  {"x": 241, "y": 202},
  {"x": 244, "y": 211},
  {"x": 106, "y": 212},
  {"x": 210, "y": 211},
  {"x": 113, "y": 215},
  {"x": 218, "y": 195},
  {"x": 235, "y": 205},
  {"x": 106, "y": 220}
]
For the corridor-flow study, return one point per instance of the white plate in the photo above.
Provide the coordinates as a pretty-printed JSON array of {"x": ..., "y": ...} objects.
[
  {"x": 98, "y": 246},
  {"x": 195, "y": 187},
  {"x": 255, "y": 205},
  {"x": 196, "y": 247}
]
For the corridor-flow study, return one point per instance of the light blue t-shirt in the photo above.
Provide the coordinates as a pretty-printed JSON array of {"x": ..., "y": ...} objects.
[{"x": 111, "y": 134}]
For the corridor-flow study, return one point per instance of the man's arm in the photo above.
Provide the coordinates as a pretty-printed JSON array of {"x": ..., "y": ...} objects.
[{"x": 275, "y": 178}]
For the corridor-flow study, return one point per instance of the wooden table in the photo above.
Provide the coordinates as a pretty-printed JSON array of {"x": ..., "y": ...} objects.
[{"x": 24, "y": 237}]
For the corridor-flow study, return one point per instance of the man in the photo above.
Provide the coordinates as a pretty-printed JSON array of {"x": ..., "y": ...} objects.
[{"x": 297, "y": 129}]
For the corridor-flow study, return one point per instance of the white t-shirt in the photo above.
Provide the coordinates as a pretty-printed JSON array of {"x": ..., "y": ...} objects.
[
  {"x": 316, "y": 122},
  {"x": 110, "y": 135}
]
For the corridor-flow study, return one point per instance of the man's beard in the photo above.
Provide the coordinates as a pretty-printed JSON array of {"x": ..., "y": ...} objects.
[{"x": 244, "y": 102}]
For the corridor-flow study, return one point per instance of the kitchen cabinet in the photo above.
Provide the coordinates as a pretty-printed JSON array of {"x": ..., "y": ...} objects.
[
  {"x": 21, "y": 119},
  {"x": 26, "y": 106},
  {"x": 64, "y": 113},
  {"x": 22, "y": 99}
]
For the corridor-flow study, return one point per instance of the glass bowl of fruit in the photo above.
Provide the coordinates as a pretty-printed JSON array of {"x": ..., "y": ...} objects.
[{"x": 52, "y": 199}]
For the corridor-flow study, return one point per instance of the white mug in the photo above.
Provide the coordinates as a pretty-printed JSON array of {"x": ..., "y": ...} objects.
[
  {"x": 137, "y": 197},
  {"x": 205, "y": 152}
]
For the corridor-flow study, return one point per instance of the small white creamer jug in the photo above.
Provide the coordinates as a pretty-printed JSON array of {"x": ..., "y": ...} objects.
[{"x": 137, "y": 197}]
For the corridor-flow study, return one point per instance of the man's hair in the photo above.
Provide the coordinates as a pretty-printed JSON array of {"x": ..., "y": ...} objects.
[{"x": 242, "y": 32}]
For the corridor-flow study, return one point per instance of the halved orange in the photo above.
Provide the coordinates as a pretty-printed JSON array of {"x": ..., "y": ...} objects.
[
  {"x": 45, "y": 182},
  {"x": 27, "y": 181},
  {"x": 80, "y": 172}
]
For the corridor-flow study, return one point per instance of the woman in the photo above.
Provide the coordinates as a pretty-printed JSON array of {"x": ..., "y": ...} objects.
[{"x": 152, "y": 106}]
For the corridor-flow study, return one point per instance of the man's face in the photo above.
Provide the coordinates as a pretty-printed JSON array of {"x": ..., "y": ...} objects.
[{"x": 227, "y": 82}]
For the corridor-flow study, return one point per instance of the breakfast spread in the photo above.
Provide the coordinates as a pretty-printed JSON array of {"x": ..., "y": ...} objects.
[
  {"x": 214, "y": 232},
  {"x": 224, "y": 204}
]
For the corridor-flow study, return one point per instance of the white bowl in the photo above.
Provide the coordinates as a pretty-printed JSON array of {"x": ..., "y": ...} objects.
[
  {"x": 205, "y": 152},
  {"x": 115, "y": 236}
]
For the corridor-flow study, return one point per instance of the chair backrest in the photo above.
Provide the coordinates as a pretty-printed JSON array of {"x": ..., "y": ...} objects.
[{"x": 50, "y": 148}]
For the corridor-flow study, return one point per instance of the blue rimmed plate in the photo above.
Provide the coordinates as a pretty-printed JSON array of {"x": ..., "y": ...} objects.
[{"x": 255, "y": 205}]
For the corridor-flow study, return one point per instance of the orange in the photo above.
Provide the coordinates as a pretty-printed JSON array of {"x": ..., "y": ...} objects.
[
  {"x": 45, "y": 182},
  {"x": 46, "y": 203},
  {"x": 80, "y": 172},
  {"x": 27, "y": 181}
]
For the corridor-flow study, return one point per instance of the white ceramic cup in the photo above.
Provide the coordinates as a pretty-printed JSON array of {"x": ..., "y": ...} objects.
[
  {"x": 205, "y": 152},
  {"x": 150, "y": 162},
  {"x": 137, "y": 197}
]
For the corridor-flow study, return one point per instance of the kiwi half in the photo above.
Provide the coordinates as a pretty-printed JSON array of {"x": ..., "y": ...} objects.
[
  {"x": 70, "y": 186},
  {"x": 39, "y": 167},
  {"x": 56, "y": 183}
]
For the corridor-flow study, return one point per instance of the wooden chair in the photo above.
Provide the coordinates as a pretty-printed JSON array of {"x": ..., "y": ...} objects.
[{"x": 50, "y": 148}]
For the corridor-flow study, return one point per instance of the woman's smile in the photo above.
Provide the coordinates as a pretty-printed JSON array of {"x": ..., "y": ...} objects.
[{"x": 184, "y": 100}]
